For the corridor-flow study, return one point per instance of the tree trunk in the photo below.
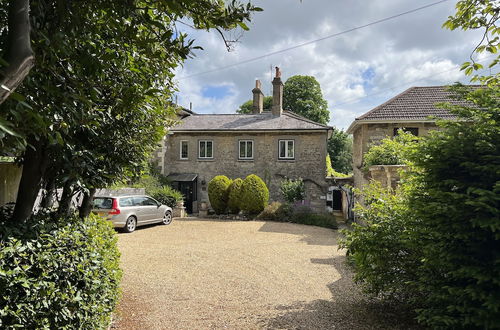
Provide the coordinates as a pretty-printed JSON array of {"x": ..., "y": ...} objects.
[
  {"x": 48, "y": 197},
  {"x": 86, "y": 206},
  {"x": 19, "y": 54},
  {"x": 66, "y": 198},
  {"x": 34, "y": 166}
]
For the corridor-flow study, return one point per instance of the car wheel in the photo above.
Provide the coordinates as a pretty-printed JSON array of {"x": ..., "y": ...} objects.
[
  {"x": 167, "y": 218},
  {"x": 130, "y": 225}
]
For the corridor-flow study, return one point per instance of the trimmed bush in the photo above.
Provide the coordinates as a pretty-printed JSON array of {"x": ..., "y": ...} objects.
[
  {"x": 218, "y": 193},
  {"x": 58, "y": 274},
  {"x": 275, "y": 212},
  {"x": 235, "y": 193},
  {"x": 167, "y": 195},
  {"x": 255, "y": 195}
]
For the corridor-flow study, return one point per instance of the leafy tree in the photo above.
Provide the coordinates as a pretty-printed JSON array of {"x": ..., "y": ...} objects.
[
  {"x": 96, "y": 100},
  {"x": 391, "y": 151},
  {"x": 331, "y": 172},
  {"x": 473, "y": 15},
  {"x": 340, "y": 151},
  {"x": 435, "y": 243},
  {"x": 302, "y": 95},
  {"x": 293, "y": 190},
  {"x": 247, "y": 107}
]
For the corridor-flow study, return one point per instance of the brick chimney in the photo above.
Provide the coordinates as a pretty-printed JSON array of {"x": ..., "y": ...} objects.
[
  {"x": 258, "y": 98},
  {"x": 277, "y": 109}
]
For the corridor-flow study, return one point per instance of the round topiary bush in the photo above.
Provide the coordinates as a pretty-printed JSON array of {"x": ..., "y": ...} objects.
[
  {"x": 58, "y": 273},
  {"x": 218, "y": 193},
  {"x": 235, "y": 196},
  {"x": 255, "y": 194}
]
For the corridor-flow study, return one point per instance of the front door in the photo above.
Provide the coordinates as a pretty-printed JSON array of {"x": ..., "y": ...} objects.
[{"x": 187, "y": 190}]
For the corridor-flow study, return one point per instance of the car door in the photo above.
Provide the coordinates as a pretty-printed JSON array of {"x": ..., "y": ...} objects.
[{"x": 146, "y": 209}]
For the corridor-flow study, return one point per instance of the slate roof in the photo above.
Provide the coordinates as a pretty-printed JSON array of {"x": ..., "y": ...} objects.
[
  {"x": 251, "y": 122},
  {"x": 414, "y": 104}
]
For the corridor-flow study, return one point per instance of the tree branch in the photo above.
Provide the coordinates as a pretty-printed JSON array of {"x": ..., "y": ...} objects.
[{"x": 19, "y": 54}]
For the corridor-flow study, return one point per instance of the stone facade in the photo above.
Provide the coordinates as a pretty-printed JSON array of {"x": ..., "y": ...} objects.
[
  {"x": 365, "y": 135},
  {"x": 309, "y": 162}
]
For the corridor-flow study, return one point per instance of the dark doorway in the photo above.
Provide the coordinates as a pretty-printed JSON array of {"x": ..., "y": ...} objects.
[
  {"x": 336, "y": 200},
  {"x": 187, "y": 184}
]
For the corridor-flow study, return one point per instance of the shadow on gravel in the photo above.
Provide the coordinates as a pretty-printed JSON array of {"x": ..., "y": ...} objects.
[
  {"x": 348, "y": 308},
  {"x": 312, "y": 235}
]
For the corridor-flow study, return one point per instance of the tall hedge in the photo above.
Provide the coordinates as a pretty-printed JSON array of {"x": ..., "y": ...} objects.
[
  {"x": 58, "y": 274},
  {"x": 235, "y": 193},
  {"x": 255, "y": 195},
  {"x": 218, "y": 193}
]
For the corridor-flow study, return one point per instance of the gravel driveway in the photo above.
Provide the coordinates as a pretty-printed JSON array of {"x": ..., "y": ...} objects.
[{"x": 206, "y": 274}]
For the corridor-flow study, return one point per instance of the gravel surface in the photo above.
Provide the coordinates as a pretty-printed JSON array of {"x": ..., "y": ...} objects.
[{"x": 213, "y": 274}]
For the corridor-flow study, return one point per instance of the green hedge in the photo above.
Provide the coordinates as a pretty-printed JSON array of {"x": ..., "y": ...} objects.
[
  {"x": 255, "y": 195},
  {"x": 167, "y": 195},
  {"x": 235, "y": 194},
  {"x": 58, "y": 274},
  {"x": 218, "y": 193},
  {"x": 276, "y": 212}
]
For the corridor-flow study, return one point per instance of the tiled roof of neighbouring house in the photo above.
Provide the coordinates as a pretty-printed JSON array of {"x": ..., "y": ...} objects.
[
  {"x": 415, "y": 103},
  {"x": 252, "y": 122}
]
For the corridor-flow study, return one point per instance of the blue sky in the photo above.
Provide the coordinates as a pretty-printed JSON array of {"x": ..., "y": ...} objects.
[{"x": 357, "y": 70}]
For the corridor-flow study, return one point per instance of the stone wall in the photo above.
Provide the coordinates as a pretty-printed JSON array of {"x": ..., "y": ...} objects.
[
  {"x": 387, "y": 175},
  {"x": 309, "y": 162}
]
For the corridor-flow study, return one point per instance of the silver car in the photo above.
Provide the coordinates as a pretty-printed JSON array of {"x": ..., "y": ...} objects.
[{"x": 129, "y": 212}]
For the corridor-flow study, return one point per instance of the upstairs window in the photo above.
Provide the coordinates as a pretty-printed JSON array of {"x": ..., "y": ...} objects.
[
  {"x": 246, "y": 149},
  {"x": 412, "y": 130},
  {"x": 205, "y": 149},
  {"x": 286, "y": 149},
  {"x": 184, "y": 150}
]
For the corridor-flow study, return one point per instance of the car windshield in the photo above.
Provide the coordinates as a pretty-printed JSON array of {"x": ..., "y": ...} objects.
[{"x": 102, "y": 203}]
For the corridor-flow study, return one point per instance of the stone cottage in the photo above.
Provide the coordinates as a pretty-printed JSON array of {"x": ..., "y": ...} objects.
[
  {"x": 414, "y": 110},
  {"x": 271, "y": 144}
]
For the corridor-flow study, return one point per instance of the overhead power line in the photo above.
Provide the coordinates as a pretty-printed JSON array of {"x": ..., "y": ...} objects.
[{"x": 312, "y": 41}]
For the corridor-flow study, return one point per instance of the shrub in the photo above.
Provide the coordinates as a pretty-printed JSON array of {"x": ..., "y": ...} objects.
[
  {"x": 305, "y": 215},
  {"x": 167, "y": 195},
  {"x": 58, "y": 274},
  {"x": 293, "y": 190},
  {"x": 255, "y": 195},
  {"x": 218, "y": 193},
  {"x": 395, "y": 151},
  {"x": 275, "y": 212},
  {"x": 235, "y": 193}
]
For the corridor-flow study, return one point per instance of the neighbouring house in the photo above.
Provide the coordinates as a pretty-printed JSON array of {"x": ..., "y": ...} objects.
[
  {"x": 271, "y": 144},
  {"x": 414, "y": 110}
]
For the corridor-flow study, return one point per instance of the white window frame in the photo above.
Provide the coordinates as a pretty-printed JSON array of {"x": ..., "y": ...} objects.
[
  {"x": 180, "y": 149},
  {"x": 199, "y": 149},
  {"x": 287, "y": 156},
  {"x": 239, "y": 149}
]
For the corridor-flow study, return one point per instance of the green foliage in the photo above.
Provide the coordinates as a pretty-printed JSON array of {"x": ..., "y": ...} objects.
[
  {"x": 302, "y": 95},
  {"x": 235, "y": 195},
  {"x": 455, "y": 206},
  {"x": 305, "y": 216},
  {"x": 293, "y": 190},
  {"x": 167, "y": 195},
  {"x": 340, "y": 151},
  {"x": 276, "y": 212},
  {"x": 58, "y": 274},
  {"x": 255, "y": 195},
  {"x": 436, "y": 242},
  {"x": 247, "y": 107},
  {"x": 381, "y": 244},
  {"x": 218, "y": 193},
  {"x": 393, "y": 151},
  {"x": 331, "y": 172},
  {"x": 483, "y": 15}
]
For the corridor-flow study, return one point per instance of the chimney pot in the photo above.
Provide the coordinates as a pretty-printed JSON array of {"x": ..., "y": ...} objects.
[
  {"x": 258, "y": 98},
  {"x": 277, "y": 108}
]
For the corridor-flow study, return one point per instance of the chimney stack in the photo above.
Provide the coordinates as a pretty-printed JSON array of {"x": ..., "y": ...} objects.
[
  {"x": 277, "y": 109},
  {"x": 258, "y": 98}
]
